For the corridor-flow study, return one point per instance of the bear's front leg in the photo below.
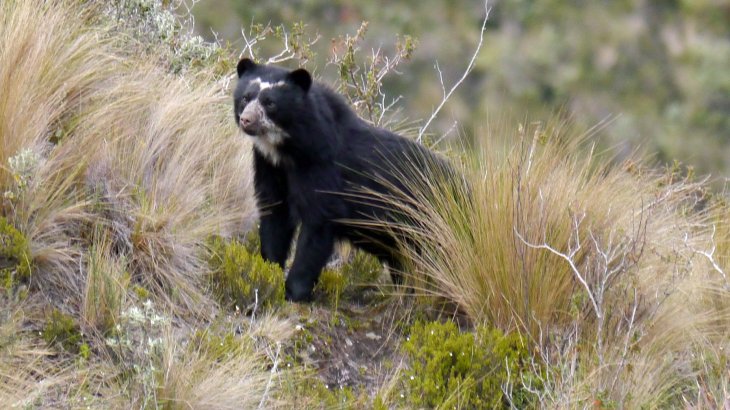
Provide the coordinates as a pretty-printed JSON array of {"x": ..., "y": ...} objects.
[
  {"x": 314, "y": 247},
  {"x": 276, "y": 231}
]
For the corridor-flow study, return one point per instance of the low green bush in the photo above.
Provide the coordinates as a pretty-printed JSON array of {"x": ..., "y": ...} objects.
[
  {"x": 61, "y": 330},
  {"x": 14, "y": 255},
  {"x": 454, "y": 369},
  {"x": 244, "y": 279},
  {"x": 364, "y": 269},
  {"x": 347, "y": 280}
]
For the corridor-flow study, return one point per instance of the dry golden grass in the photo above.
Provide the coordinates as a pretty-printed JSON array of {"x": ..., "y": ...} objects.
[
  {"x": 25, "y": 374},
  {"x": 589, "y": 258},
  {"x": 169, "y": 174},
  {"x": 127, "y": 171},
  {"x": 191, "y": 380},
  {"x": 53, "y": 66},
  {"x": 106, "y": 289},
  {"x": 152, "y": 157}
]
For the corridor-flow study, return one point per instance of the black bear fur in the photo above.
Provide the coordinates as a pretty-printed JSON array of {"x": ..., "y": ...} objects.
[{"x": 317, "y": 165}]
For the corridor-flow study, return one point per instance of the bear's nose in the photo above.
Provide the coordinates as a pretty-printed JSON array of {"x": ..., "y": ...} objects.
[
  {"x": 249, "y": 123},
  {"x": 246, "y": 121}
]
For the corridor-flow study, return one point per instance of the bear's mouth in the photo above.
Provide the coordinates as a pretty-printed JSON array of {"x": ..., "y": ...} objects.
[{"x": 254, "y": 130}]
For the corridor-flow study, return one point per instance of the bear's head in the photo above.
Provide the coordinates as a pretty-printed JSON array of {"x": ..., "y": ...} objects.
[{"x": 266, "y": 101}]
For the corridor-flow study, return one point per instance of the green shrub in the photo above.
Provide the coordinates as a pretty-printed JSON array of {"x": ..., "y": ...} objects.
[
  {"x": 452, "y": 369},
  {"x": 332, "y": 282},
  {"x": 14, "y": 255},
  {"x": 363, "y": 269},
  {"x": 244, "y": 279},
  {"x": 61, "y": 329},
  {"x": 347, "y": 280}
]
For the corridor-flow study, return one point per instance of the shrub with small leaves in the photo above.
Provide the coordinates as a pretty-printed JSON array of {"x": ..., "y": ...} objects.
[
  {"x": 157, "y": 24},
  {"x": 244, "y": 279},
  {"x": 363, "y": 269},
  {"x": 453, "y": 369},
  {"x": 332, "y": 282},
  {"x": 61, "y": 329},
  {"x": 14, "y": 255},
  {"x": 22, "y": 166}
]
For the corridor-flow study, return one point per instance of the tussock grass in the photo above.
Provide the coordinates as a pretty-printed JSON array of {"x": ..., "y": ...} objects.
[
  {"x": 117, "y": 173},
  {"x": 168, "y": 176},
  {"x": 150, "y": 156},
  {"x": 192, "y": 379},
  {"x": 53, "y": 65},
  {"x": 106, "y": 287},
  {"x": 572, "y": 249},
  {"x": 25, "y": 375}
]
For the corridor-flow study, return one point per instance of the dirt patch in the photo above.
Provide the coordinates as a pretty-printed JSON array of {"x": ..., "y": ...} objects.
[{"x": 354, "y": 346}]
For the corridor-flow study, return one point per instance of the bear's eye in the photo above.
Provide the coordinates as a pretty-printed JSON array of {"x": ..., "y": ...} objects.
[
  {"x": 247, "y": 98},
  {"x": 269, "y": 105}
]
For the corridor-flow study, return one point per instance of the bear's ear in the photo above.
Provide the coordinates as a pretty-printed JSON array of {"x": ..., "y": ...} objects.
[
  {"x": 244, "y": 65},
  {"x": 301, "y": 78}
]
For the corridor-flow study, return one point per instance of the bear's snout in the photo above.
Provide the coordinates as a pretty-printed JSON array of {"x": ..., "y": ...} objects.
[{"x": 250, "y": 121}]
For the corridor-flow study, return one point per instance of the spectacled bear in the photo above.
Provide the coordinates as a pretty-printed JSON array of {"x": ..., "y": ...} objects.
[{"x": 319, "y": 166}]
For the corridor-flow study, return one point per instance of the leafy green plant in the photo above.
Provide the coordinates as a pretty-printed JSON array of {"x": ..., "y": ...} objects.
[
  {"x": 244, "y": 279},
  {"x": 156, "y": 22},
  {"x": 61, "y": 329},
  {"x": 332, "y": 282},
  {"x": 362, "y": 269},
  {"x": 362, "y": 83},
  {"x": 449, "y": 368},
  {"x": 14, "y": 255}
]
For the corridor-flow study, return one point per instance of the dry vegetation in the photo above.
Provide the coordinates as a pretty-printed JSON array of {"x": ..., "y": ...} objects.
[
  {"x": 118, "y": 169},
  {"x": 610, "y": 265}
]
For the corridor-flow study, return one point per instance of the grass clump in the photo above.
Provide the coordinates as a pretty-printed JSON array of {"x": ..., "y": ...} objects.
[
  {"x": 106, "y": 288},
  {"x": 244, "y": 279},
  {"x": 572, "y": 249},
  {"x": 219, "y": 348},
  {"x": 14, "y": 255},
  {"x": 212, "y": 371},
  {"x": 452, "y": 369}
]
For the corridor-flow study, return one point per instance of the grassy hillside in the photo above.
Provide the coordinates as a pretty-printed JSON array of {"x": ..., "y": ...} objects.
[{"x": 130, "y": 275}]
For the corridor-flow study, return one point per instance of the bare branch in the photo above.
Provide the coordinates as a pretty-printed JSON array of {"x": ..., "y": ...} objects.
[
  {"x": 627, "y": 340},
  {"x": 709, "y": 255},
  {"x": 271, "y": 376},
  {"x": 467, "y": 71},
  {"x": 285, "y": 54},
  {"x": 568, "y": 257}
]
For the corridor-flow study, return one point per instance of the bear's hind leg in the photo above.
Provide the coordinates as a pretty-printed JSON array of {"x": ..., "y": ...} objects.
[{"x": 395, "y": 270}]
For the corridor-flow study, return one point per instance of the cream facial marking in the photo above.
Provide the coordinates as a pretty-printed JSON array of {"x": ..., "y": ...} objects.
[{"x": 265, "y": 84}]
